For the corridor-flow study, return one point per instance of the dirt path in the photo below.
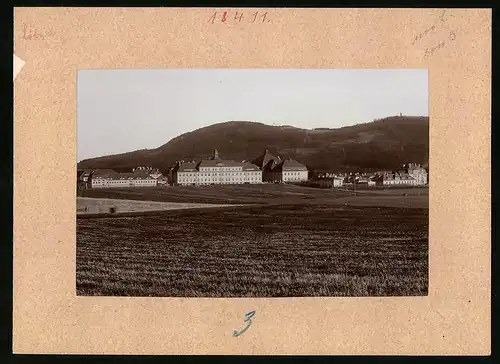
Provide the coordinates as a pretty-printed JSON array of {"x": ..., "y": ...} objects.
[{"x": 88, "y": 205}]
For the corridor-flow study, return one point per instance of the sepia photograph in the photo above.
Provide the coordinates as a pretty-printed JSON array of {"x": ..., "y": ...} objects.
[{"x": 252, "y": 182}]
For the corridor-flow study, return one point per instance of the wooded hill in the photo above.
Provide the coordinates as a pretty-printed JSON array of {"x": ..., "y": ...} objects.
[{"x": 382, "y": 144}]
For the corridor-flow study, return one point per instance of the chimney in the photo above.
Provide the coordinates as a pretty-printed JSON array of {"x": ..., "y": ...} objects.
[{"x": 216, "y": 154}]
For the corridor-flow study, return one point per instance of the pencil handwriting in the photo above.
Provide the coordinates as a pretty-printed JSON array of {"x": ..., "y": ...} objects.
[
  {"x": 30, "y": 33},
  {"x": 442, "y": 16},
  {"x": 440, "y": 23},
  {"x": 423, "y": 34},
  {"x": 429, "y": 51}
]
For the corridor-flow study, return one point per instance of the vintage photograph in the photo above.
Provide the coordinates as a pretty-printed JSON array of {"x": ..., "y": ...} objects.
[{"x": 252, "y": 182}]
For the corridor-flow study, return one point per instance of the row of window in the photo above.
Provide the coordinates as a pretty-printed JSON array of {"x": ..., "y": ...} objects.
[
  {"x": 220, "y": 169},
  {"x": 291, "y": 177},
  {"x": 216, "y": 179},
  {"x": 218, "y": 173},
  {"x": 124, "y": 182},
  {"x": 219, "y": 182},
  {"x": 400, "y": 181}
]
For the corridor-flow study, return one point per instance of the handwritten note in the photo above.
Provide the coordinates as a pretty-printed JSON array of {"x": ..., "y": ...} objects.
[
  {"x": 441, "y": 30},
  {"x": 237, "y": 17},
  {"x": 30, "y": 33},
  {"x": 248, "y": 319}
]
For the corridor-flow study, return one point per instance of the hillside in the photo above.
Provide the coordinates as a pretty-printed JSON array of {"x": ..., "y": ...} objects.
[{"x": 381, "y": 144}]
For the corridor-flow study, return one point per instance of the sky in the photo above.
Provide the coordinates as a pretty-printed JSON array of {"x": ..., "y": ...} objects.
[{"x": 120, "y": 111}]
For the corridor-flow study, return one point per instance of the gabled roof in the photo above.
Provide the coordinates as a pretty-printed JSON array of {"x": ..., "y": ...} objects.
[
  {"x": 145, "y": 170},
  {"x": 265, "y": 159},
  {"x": 102, "y": 172},
  {"x": 393, "y": 176},
  {"x": 188, "y": 167},
  {"x": 219, "y": 163},
  {"x": 247, "y": 166},
  {"x": 293, "y": 165}
]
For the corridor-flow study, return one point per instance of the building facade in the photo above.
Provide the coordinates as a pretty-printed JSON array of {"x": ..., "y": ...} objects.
[
  {"x": 277, "y": 170},
  {"x": 395, "y": 179},
  {"x": 417, "y": 172},
  {"x": 412, "y": 174},
  {"x": 112, "y": 179},
  {"x": 338, "y": 181},
  {"x": 215, "y": 171}
]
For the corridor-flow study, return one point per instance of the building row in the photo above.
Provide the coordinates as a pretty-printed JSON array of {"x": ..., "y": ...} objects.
[
  {"x": 108, "y": 178},
  {"x": 266, "y": 168},
  {"x": 411, "y": 174}
]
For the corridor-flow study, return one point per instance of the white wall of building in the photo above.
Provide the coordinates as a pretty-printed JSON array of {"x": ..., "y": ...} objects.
[
  {"x": 219, "y": 175},
  {"x": 338, "y": 182},
  {"x": 295, "y": 176},
  {"x": 400, "y": 182},
  {"x": 420, "y": 177},
  {"x": 110, "y": 183}
]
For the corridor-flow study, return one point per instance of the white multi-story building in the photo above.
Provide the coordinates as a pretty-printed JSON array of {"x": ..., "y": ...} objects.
[
  {"x": 216, "y": 171},
  {"x": 338, "y": 181},
  {"x": 395, "y": 179},
  {"x": 112, "y": 179},
  {"x": 411, "y": 175},
  {"x": 417, "y": 172}
]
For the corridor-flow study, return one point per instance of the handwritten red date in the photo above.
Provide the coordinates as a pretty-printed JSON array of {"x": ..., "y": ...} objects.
[{"x": 236, "y": 17}]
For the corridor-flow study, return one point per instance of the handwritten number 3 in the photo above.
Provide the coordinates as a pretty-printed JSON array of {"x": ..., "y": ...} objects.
[{"x": 248, "y": 318}]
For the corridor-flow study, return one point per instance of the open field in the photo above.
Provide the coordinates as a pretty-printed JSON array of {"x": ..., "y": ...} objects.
[
  {"x": 270, "y": 194},
  {"x": 305, "y": 249}
]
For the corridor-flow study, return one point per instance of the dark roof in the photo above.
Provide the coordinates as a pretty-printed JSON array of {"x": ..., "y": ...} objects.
[
  {"x": 118, "y": 176},
  {"x": 270, "y": 162},
  {"x": 219, "y": 163},
  {"x": 102, "y": 172},
  {"x": 187, "y": 166},
  {"x": 392, "y": 176},
  {"x": 195, "y": 166},
  {"x": 247, "y": 166},
  {"x": 293, "y": 165},
  {"x": 145, "y": 170},
  {"x": 265, "y": 159}
]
